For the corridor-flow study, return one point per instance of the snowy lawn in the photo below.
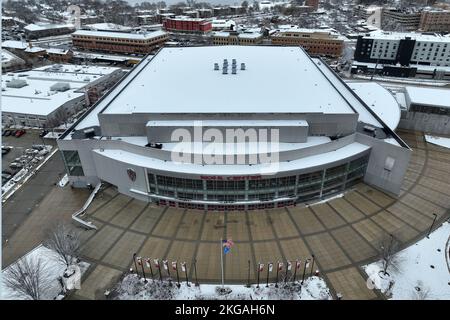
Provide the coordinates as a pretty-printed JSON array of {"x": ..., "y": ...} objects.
[
  {"x": 134, "y": 288},
  {"x": 53, "y": 269},
  {"x": 420, "y": 271},
  {"x": 440, "y": 141}
]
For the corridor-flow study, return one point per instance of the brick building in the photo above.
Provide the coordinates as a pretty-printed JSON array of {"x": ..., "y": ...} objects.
[
  {"x": 435, "y": 21},
  {"x": 121, "y": 42},
  {"x": 314, "y": 41},
  {"x": 187, "y": 24}
]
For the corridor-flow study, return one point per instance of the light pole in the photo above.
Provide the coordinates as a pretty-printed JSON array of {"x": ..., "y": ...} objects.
[
  {"x": 135, "y": 265},
  {"x": 195, "y": 272},
  {"x": 432, "y": 224},
  {"x": 312, "y": 265},
  {"x": 248, "y": 282}
]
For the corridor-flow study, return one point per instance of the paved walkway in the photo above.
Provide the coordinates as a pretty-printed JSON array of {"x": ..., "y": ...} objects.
[{"x": 342, "y": 233}]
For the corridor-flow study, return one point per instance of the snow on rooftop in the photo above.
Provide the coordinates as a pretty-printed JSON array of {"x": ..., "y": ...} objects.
[
  {"x": 36, "y": 98},
  {"x": 47, "y": 26},
  {"x": 276, "y": 79},
  {"x": 121, "y": 35},
  {"x": 380, "y": 100},
  {"x": 387, "y": 35},
  {"x": 232, "y": 169},
  {"x": 14, "y": 44},
  {"x": 429, "y": 96}
]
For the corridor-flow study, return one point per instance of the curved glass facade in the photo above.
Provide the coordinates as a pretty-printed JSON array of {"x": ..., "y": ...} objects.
[{"x": 239, "y": 193}]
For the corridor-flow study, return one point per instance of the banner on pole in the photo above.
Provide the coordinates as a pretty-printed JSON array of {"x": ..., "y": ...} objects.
[
  {"x": 166, "y": 265},
  {"x": 270, "y": 265},
  {"x": 280, "y": 266},
  {"x": 156, "y": 262},
  {"x": 298, "y": 264},
  {"x": 227, "y": 244},
  {"x": 183, "y": 266},
  {"x": 289, "y": 266},
  {"x": 260, "y": 267},
  {"x": 174, "y": 265},
  {"x": 139, "y": 260},
  {"x": 147, "y": 262},
  {"x": 307, "y": 263}
]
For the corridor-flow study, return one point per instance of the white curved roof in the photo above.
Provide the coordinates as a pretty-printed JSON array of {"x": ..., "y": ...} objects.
[{"x": 380, "y": 100}]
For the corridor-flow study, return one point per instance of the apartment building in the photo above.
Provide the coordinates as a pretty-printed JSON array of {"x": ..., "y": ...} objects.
[
  {"x": 435, "y": 21},
  {"x": 120, "y": 42},
  {"x": 314, "y": 41}
]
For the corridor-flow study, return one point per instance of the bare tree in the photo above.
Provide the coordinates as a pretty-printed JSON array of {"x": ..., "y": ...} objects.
[
  {"x": 28, "y": 278},
  {"x": 389, "y": 246},
  {"x": 64, "y": 239}
]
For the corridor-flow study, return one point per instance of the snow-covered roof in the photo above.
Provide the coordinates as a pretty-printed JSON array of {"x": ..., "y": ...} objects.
[
  {"x": 47, "y": 26},
  {"x": 290, "y": 83},
  {"x": 429, "y": 96},
  {"x": 386, "y": 35},
  {"x": 380, "y": 100},
  {"x": 120, "y": 35},
  {"x": 36, "y": 98},
  {"x": 107, "y": 27},
  {"x": 233, "y": 169},
  {"x": 14, "y": 44}
]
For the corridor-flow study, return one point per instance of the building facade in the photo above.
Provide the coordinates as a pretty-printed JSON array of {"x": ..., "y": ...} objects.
[
  {"x": 403, "y": 48},
  {"x": 129, "y": 142},
  {"x": 35, "y": 31},
  {"x": 435, "y": 21},
  {"x": 400, "y": 19},
  {"x": 314, "y": 41},
  {"x": 120, "y": 42},
  {"x": 237, "y": 38},
  {"x": 187, "y": 25}
]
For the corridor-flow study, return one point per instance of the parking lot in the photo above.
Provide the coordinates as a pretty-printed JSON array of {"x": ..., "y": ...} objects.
[{"x": 19, "y": 145}]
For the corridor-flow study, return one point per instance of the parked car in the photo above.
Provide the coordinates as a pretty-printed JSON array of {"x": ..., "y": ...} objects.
[
  {"x": 20, "y": 133},
  {"x": 43, "y": 133},
  {"x": 15, "y": 165},
  {"x": 4, "y": 132},
  {"x": 7, "y": 133},
  {"x": 5, "y": 151},
  {"x": 38, "y": 146}
]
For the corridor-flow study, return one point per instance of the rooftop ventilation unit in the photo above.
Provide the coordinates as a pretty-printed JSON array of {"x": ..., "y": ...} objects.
[
  {"x": 60, "y": 86},
  {"x": 233, "y": 71},
  {"x": 224, "y": 70},
  {"x": 242, "y": 66},
  {"x": 216, "y": 66},
  {"x": 16, "y": 83}
]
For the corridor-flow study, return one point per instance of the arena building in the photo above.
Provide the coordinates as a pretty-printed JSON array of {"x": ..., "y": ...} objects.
[{"x": 329, "y": 138}]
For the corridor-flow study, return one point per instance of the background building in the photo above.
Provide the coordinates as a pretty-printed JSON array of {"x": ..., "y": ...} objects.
[
  {"x": 403, "y": 48},
  {"x": 435, "y": 21},
  {"x": 250, "y": 37},
  {"x": 121, "y": 42},
  {"x": 314, "y": 41},
  {"x": 48, "y": 96},
  {"x": 329, "y": 138},
  {"x": 187, "y": 24},
  {"x": 35, "y": 31},
  {"x": 400, "y": 19}
]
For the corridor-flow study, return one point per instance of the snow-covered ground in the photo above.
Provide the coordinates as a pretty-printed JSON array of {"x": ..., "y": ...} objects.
[
  {"x": 440, "y": 141},
  {"x": 53, "y": 268},
  {"x": 133, "y": 288},
  {"x": 420, "y": 271}
]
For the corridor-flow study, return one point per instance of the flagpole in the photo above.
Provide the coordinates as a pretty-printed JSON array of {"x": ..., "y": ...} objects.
[{"x": 221, "y": 259}]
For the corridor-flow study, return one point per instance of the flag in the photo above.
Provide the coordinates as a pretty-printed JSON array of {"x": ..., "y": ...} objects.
[
  {"x": 183, "y": 266},
  {"x": 156, "y": 262},
  {"x": 270, "y": 265},
  {"x": 227, "y": 244},
  {"x": 174, "y": 265},
  {"x": 147, "y": 262},
  {"x": 139, "y": 260},
  {"x": 289, "y": 266},
  {"x": 280, "y": 266},
  {"x": 260, "y": 267},
  {"x": 298, "y": 264},
  {"x": 166, "y": 265}
]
